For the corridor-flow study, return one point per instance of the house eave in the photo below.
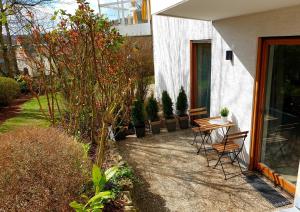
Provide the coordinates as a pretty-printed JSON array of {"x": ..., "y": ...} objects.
[{"x": 212, "y": 10}]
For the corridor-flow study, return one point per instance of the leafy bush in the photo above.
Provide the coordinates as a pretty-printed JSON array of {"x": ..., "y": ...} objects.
[
  {"x": 138, "y": 113},
  {"x": 167, "y": 105},
  {"x": 101, "y": 195},
  {"x": 182, "y": 103},
  {"x": 224, "y": 112},
  {"x": 152, "y": 109},
  {"x": 41, "y": 170},
  {"x": 9, "y": 90}
]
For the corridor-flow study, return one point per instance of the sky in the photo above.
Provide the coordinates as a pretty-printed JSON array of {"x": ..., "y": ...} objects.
[{"x": 68, "y": 5}]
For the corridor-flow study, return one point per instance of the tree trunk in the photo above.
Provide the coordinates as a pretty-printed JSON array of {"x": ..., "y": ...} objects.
[
  {"x": 3, "y": 46},
  {"x": 11, "y": 49}
]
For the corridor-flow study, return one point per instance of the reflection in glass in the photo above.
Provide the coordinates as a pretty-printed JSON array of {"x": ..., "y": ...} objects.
[
  {"x": 281, "y": 128},
  {"x": 125, "y": 11},
  {"x": 203, "y": 75}
]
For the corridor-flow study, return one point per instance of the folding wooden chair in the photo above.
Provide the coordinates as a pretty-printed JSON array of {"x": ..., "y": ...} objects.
[
  {"x": 196, "y": 113},
  {"x": 229, "y": 148}
]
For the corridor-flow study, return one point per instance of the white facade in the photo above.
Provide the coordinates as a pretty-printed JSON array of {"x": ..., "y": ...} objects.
[{"x": 232, "y": 83}]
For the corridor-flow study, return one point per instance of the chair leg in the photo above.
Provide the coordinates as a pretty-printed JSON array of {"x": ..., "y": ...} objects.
[
  {"x": 223, "y": 169},
  {"x": 206, "y": 155},
  {"x": 219, "y": 159},
  {"x": 236, "y": 154},
  {"x": 211, "y": 142},
  {"x": 237, "y": 160},
  {"x": 195, "y": 136},
  {"x": 202, "y": 143}
]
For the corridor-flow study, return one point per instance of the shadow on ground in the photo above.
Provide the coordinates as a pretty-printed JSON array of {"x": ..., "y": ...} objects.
[
  {"x": 172, "y": 177},
  {"x": 143, "y": 198}
]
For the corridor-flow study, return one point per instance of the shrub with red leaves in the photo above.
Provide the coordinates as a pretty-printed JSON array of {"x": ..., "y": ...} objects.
[{"x": 41, "y": 170}]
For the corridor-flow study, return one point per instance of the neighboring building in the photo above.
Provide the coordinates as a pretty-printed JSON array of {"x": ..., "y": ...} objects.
[
  {"x": 132, "y": 17},
  {"x": 260, "y": 82}
]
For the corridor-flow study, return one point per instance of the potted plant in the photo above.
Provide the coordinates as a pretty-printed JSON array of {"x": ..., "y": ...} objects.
[
  {"x": 152, "y": 113},
  {"x": 168, "y": 112},
  {"x": 224, "y": 114},
  {"x": 181, "y": 109},
  {"x": 120, "y": 130},
  {"x": 138, "y": 118}
]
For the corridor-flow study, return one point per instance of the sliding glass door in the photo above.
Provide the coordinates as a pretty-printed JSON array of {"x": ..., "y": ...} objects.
[{"x": 278, "y": 110}]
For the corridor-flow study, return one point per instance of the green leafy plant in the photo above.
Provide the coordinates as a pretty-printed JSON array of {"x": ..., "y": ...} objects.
[
  {"x": 224, "y": 112},
  {"x": 138, "y": 113},
  {"x": 167, "y": 105},
  {"x": 9, "y": 90},
  {"x": 152, "y": 109},
  {"x": 182, "y": 103},
  {"x": 123, "y": 179},
  {"x": 101, "y": 196}
]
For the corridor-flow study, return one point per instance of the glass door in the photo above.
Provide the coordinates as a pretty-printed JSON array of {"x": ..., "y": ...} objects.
[
  {"x": 201, "y": 77},
  {"x": 279, "y": 110}
]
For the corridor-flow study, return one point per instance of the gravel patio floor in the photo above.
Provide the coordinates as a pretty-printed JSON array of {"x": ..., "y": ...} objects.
[{"x": 172, "y": 177}]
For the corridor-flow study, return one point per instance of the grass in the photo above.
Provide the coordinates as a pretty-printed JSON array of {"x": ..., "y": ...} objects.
[{"x": 30, "y": 115}]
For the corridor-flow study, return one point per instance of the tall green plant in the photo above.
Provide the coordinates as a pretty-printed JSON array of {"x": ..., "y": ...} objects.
[
  {"x": 167, "y": 105},
  {"x": 182, "y": 103},
  {"x": 138, "y": 113},
  {"x": 152, "y": 109}
]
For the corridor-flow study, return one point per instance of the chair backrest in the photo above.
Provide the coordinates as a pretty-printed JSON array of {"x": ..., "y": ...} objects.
[
  {"x": 235, "y": 136},
  {"x": 297, "y": 194},
  {"x": 197, "y": 112}
]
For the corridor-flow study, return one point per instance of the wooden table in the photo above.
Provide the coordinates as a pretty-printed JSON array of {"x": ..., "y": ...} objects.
[{"x": 207, "y": 126}]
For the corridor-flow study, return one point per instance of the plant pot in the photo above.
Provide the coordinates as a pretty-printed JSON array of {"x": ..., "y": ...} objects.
[
  {"x": 120, "y": 134},
  {"x": 171, "y": 125},
  {"x": 183, "y": 122},
  {"x": 140, "y": 131},
  {"x": 155, "y": 127},
  {"x": 224, "y": 119}
]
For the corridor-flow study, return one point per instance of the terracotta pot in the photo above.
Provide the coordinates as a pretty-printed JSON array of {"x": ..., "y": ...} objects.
[
  {"x": 171, "y": 124},
  {"x": 140, "y": 131},
  {"x": 120, "y": 134},
  {"x": 155, "y": 127},
  {"x": 183, "y": 122}
]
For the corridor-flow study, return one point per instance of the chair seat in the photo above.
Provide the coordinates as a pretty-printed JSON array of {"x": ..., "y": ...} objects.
[{"x": 229, "y": 147}]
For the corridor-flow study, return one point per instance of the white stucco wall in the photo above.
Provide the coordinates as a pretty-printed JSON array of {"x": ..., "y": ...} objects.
[
  {"x": 232, "y": 82},
  {"x": 171, "y": 44}
]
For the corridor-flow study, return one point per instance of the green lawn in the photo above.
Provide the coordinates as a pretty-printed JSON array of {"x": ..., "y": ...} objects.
[{"x": 30, "y": 115}]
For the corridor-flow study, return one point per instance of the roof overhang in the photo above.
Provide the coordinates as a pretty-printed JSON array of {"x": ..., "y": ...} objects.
[{"x": 220, "y": 9}]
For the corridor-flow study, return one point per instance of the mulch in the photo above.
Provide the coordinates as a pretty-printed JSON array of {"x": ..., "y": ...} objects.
[{"x": 13, "y": 109}]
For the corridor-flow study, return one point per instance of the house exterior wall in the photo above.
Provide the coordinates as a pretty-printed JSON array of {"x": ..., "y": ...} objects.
[
  {"x": 171, "y": 45},
  {"x": 232, "y": 81}
]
